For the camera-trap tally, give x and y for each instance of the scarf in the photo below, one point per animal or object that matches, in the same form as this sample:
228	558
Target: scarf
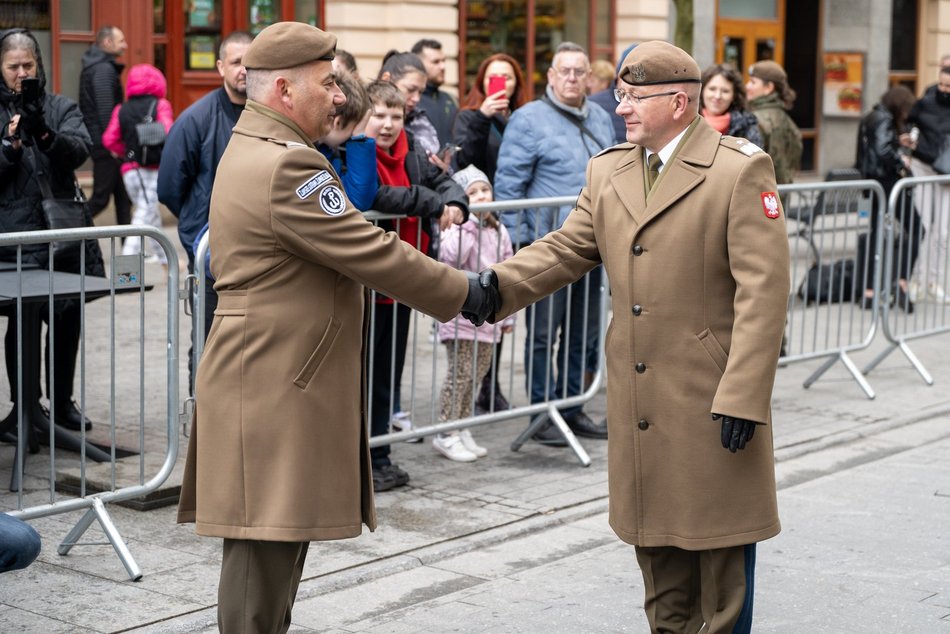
391	165
719	122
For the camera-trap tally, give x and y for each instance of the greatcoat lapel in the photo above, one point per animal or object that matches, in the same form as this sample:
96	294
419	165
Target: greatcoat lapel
627	181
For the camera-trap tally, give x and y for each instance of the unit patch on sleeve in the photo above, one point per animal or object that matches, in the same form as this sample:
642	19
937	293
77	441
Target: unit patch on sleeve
332	200
313	183
770	205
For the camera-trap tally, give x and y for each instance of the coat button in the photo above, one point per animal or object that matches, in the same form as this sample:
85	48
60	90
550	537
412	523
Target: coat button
641	368
637	309
643	424
637	249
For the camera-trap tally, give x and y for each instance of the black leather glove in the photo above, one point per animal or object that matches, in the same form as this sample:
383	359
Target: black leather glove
736	432
483	299
32	121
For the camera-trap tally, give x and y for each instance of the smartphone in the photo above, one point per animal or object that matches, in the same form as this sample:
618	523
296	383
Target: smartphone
30	90
445	154
496	83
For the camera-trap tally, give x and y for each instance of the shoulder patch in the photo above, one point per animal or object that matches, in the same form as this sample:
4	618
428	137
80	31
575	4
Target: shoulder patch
332	200
742	145
312	184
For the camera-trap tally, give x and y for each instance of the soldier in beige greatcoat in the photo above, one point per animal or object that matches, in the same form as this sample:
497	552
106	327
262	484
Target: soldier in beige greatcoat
278	455
698	269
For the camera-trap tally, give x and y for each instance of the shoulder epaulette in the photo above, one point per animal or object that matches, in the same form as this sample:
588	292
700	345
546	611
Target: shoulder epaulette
739	145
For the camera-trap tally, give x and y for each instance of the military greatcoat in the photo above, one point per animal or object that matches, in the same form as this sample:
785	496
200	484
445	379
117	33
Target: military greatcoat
279	447
699	278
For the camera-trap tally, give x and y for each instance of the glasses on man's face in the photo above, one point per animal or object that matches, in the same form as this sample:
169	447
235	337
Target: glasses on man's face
623	96
564	73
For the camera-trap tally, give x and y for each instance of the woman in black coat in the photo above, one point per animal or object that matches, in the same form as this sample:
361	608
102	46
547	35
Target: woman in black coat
480	123
882	156
42	139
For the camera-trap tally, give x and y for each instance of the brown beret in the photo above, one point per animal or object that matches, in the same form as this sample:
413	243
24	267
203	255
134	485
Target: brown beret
769	71
659	62
288	44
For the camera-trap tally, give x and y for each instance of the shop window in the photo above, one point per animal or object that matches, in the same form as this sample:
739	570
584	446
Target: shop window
202	34
748	9
70	63
158	16
530	31
903	62
75	16
306	11
262	13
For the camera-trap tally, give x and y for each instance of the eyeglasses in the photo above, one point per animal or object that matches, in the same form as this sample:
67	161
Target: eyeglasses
564	73
628	97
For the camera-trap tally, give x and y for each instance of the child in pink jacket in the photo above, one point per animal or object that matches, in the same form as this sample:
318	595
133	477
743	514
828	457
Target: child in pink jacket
476	244
145	92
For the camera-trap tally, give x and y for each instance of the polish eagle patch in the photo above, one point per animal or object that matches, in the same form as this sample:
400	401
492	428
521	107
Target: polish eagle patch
770	205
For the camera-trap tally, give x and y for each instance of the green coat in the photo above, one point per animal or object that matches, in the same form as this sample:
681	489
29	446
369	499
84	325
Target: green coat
699	276
279	447
781	137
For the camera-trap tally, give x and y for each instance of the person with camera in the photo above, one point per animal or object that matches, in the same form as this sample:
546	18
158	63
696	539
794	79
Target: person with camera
44	138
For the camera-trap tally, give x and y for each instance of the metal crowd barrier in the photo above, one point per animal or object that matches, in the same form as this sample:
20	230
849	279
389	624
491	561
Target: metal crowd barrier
131	423
918	231
425	367
831	229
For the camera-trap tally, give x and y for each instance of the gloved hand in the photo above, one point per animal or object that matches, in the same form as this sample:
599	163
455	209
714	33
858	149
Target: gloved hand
736	432
483	299
31	119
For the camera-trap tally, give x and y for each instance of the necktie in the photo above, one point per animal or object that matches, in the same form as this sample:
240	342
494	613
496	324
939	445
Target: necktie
653	169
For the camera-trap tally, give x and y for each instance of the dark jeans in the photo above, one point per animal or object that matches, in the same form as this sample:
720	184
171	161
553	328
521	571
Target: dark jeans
19	543
390	336
560	319
107	183
211	303
907	237
66	316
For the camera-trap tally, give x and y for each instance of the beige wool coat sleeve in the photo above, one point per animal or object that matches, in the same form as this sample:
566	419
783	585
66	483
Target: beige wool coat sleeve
279	447
699	278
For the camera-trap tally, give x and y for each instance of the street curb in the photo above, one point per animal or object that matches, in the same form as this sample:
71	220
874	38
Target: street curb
401	562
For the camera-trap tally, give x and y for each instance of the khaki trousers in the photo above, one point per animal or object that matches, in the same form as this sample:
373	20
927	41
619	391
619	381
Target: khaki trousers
707	591
258	585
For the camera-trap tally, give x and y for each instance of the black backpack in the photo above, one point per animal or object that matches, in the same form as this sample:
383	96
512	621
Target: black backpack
143	136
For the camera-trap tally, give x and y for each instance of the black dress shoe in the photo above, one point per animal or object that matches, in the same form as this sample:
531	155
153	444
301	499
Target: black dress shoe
68	417
549	435
903	300
581	424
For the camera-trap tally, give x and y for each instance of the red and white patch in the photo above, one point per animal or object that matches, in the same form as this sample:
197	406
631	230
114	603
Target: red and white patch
770	205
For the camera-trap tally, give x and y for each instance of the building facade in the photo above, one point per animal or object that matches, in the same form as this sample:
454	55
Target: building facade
841	55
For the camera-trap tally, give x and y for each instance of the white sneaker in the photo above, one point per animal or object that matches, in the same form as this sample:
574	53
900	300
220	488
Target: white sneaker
471	445
452	448
913	291
401	422
937	294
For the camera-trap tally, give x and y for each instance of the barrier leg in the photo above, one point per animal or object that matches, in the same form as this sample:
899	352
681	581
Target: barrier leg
880	357
98	512
555	417
852	368
914	361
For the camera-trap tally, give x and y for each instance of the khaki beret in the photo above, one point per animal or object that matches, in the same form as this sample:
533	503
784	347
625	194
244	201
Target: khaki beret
659	62
288	44
769	71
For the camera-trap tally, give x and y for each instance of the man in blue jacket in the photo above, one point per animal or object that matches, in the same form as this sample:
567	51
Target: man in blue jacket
544	152
193	148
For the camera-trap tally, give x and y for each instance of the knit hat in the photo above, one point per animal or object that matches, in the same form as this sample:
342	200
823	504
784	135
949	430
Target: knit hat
769	71
289	44
659	62
469	175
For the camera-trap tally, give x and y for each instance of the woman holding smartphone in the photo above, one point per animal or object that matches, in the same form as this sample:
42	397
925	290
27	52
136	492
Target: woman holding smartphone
497	91
43	137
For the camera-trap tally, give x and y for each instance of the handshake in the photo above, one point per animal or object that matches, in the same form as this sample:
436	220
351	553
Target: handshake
483	299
